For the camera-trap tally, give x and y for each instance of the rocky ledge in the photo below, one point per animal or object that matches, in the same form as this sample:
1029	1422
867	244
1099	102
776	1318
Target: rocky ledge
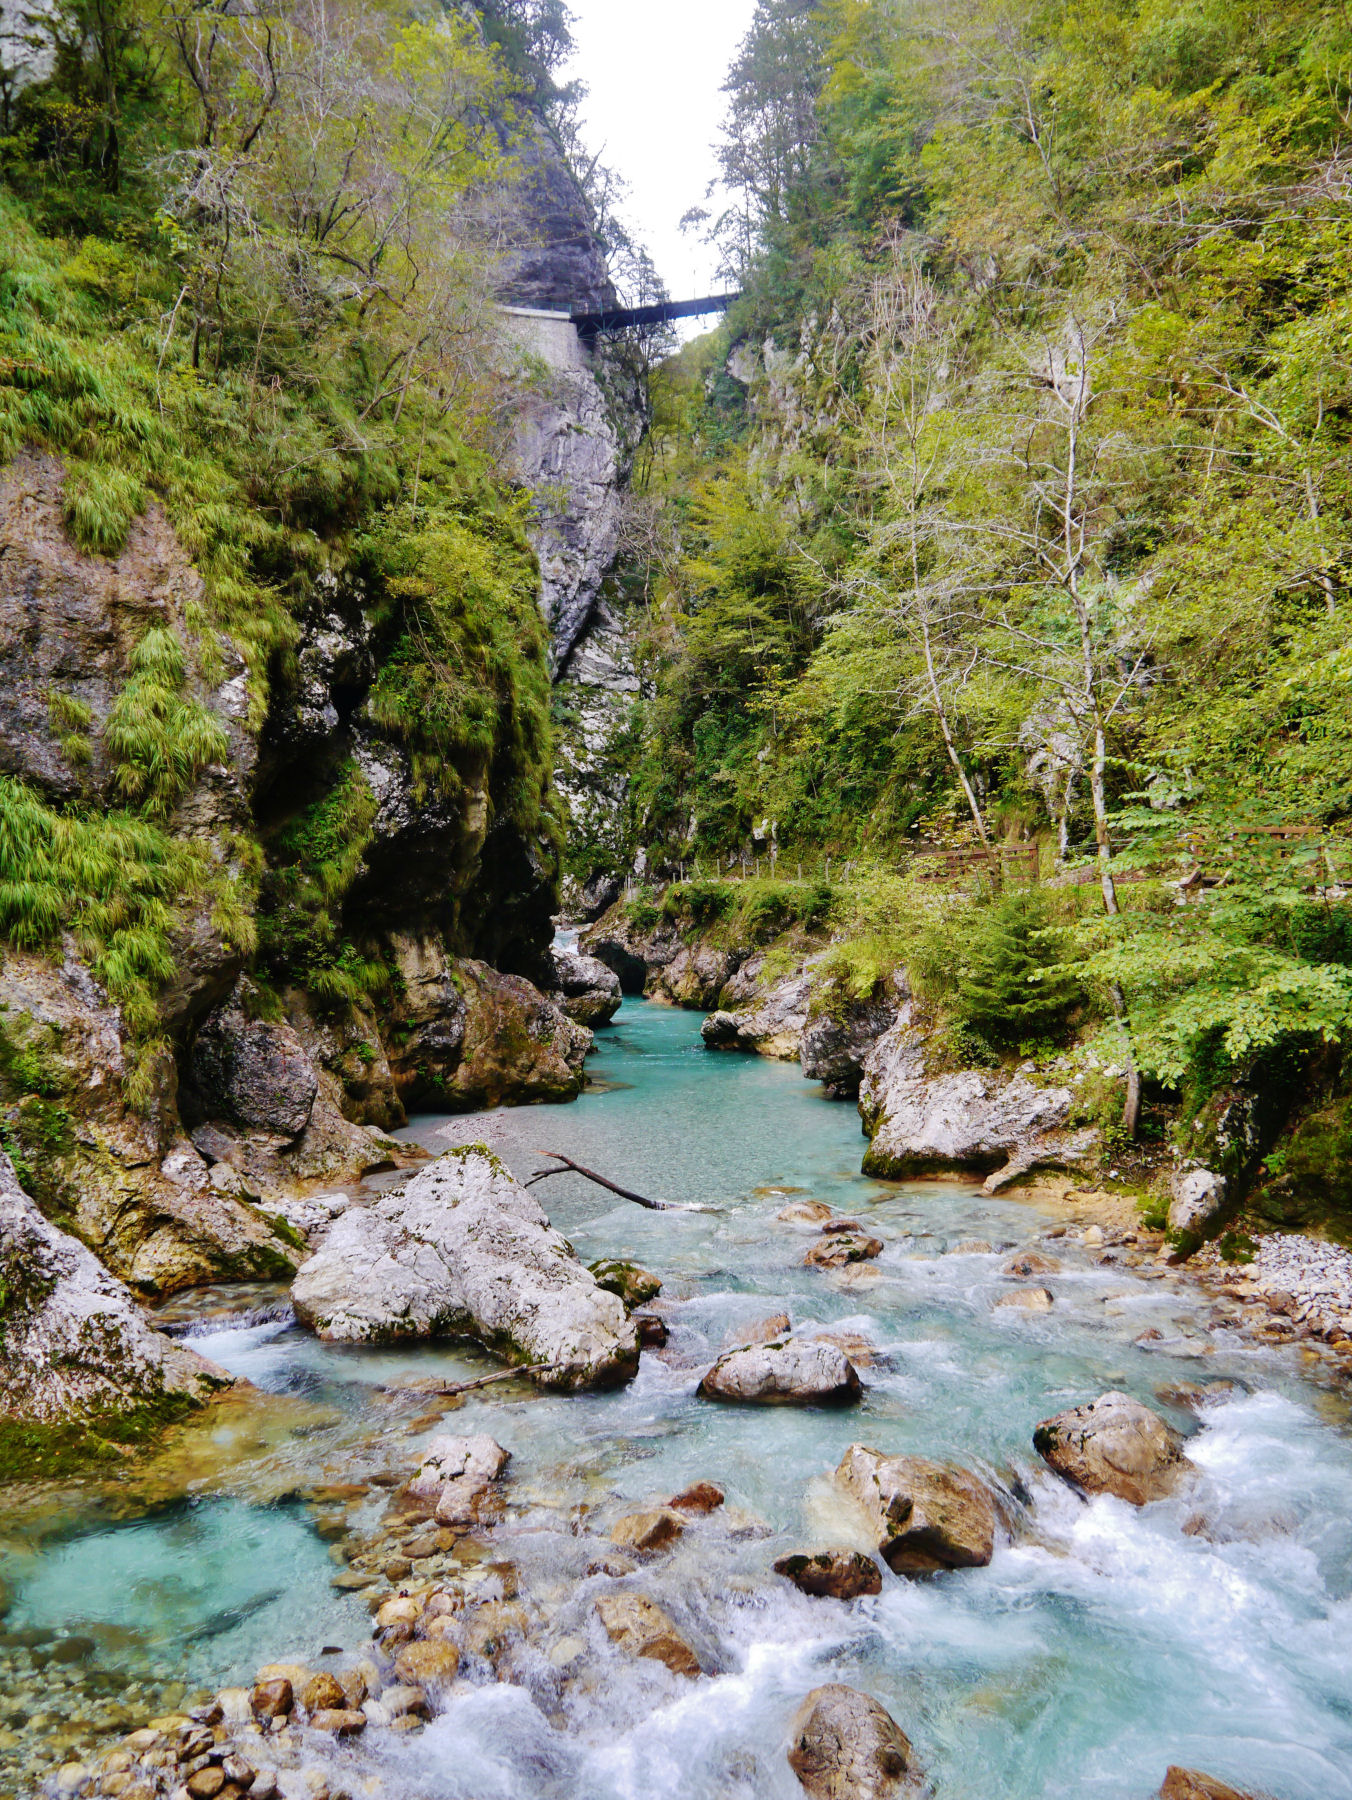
80	1367
921	1119
462	1250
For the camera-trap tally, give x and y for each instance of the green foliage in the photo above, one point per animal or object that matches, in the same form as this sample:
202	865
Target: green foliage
1011	983
114	881
316	857
158	736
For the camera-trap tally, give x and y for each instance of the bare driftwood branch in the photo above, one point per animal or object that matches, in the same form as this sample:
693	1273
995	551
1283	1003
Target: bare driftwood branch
451	1388
600	1180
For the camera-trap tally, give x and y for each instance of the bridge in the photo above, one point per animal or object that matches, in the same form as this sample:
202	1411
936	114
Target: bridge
562	336
590	322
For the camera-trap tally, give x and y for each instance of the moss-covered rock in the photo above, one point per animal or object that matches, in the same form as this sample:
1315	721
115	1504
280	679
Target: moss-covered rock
81	1370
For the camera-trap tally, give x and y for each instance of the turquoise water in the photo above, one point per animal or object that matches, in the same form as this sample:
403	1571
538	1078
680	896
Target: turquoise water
1103	1645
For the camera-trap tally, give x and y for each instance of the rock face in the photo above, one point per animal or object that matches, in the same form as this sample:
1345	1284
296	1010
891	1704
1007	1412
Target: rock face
839	1037
1114	1445
832	1574
588	991
795	1371
75	1349
254	1074
845	1746
464	1036
968	1119
927	1515
769	1021
462	1250
1198	1197
130	1184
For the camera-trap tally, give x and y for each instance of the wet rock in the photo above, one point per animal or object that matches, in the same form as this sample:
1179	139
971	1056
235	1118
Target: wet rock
794	1371
1197	1199
761	1331
272	1699
639	1625
832	1574
772	1024
1190	1784
1114	1445
428	1663
206	1784
703	1497
1031	1262
76	1348
926	1515
1029	1299
589	991
456	1475
845	1746
322	1693
804	1212
404	1699
971	1247
343	1721
983	1119
839	1249
634	1285
653	1332
1195	1396
463	1250
648	1530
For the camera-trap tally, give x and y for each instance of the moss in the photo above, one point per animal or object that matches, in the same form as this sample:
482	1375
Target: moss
31	1451
286	1231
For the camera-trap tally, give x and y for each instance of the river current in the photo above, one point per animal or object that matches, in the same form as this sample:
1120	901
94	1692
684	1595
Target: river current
1104	1644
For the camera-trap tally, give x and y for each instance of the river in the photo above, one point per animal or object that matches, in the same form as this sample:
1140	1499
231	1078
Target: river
1102	1645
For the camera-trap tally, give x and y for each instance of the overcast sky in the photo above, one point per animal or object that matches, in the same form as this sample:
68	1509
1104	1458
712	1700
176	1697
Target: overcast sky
655	71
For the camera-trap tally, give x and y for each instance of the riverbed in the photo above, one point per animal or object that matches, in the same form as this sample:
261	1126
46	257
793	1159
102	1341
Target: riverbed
1099	1646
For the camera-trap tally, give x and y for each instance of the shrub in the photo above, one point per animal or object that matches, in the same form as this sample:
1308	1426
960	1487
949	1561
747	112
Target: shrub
1012	985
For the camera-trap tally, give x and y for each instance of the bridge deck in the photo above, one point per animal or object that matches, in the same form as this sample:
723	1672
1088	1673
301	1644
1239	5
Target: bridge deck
660	312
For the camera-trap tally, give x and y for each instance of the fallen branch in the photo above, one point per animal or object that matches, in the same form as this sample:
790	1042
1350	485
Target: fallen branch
600	1180
451	1388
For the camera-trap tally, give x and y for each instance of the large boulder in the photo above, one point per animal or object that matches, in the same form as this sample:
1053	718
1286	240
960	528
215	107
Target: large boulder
252	1073
920	1122
463	1251
793	1371
77	1356
589	992
463	1036
845	1746
1197	1198
926	1515
1114	1445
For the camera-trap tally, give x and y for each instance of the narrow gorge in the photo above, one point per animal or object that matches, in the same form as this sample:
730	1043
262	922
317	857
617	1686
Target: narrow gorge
673	1116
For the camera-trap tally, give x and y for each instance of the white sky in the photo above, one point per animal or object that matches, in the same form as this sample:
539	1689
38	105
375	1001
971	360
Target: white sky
655	71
